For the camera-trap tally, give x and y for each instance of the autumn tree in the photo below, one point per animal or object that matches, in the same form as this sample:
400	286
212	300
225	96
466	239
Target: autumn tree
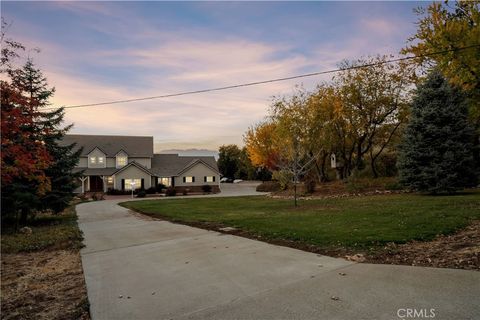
49	124
36	171
24	157
371	102
451	26
436	153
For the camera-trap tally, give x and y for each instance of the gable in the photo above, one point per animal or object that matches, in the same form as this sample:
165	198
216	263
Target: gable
199	169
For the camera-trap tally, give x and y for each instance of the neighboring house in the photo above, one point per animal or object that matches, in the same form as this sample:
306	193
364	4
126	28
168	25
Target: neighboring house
126	162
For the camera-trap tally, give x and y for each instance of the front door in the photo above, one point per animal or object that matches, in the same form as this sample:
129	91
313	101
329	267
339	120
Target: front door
96	184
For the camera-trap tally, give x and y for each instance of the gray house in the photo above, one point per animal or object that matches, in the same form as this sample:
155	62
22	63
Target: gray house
126	162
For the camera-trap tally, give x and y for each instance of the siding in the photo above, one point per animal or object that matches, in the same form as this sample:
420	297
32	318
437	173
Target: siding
132	173
146	162
199	171
97	153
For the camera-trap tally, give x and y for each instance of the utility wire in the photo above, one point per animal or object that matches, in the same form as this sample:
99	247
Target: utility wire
249	84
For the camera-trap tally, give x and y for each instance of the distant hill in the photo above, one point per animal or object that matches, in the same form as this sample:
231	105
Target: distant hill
193	152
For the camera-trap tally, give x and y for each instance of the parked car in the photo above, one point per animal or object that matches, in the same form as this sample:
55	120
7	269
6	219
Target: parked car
237	180
226	180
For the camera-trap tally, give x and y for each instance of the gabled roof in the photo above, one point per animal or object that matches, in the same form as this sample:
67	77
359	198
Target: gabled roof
134	164
111	171
134	146
170	165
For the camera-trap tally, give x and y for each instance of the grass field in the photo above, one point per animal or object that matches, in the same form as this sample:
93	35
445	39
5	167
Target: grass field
357	222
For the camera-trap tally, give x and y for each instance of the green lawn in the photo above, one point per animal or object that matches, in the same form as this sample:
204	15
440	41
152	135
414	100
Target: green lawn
357	222
48	232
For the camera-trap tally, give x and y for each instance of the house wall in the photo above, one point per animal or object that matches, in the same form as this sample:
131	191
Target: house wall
132	173
199	171
97	153
83	162
111	162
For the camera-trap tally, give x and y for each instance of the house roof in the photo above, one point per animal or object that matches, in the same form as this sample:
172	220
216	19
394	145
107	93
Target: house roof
96	171
169	165
110	171
133	146
134	164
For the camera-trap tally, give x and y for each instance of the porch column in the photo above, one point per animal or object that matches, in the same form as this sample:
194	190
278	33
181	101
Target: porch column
104	184
83	183
88	183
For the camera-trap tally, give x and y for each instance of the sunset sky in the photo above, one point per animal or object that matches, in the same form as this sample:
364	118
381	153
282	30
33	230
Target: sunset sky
101	51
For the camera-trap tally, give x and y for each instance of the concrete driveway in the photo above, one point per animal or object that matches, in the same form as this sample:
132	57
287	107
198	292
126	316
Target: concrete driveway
136	268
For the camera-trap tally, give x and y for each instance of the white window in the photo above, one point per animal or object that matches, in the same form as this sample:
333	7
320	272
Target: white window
93	160
121	161
110	180
188	179
100	160
133	183
209	179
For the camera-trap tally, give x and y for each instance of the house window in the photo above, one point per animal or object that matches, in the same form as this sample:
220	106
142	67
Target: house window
121	161
137	184
165	181
100	160
188	179
110	180
209	179
93	160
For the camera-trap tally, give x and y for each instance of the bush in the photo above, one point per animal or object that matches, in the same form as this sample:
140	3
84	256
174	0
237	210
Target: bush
170	192
161	187
207	188
151	190
141	194
269	186
115	192
283	177
98	196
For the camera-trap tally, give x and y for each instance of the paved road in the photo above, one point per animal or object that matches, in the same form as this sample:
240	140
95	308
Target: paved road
137	268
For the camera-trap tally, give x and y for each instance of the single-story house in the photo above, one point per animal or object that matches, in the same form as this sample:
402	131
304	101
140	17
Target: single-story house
126	162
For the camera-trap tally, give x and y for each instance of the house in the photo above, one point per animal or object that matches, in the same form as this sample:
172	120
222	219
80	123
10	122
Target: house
126	162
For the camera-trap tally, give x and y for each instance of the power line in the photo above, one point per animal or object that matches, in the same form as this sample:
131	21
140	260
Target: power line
249	84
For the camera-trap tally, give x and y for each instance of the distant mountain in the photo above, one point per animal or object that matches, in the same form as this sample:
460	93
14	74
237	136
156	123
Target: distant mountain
193	152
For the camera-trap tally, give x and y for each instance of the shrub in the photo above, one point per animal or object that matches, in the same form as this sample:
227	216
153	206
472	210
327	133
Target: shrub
161	187
283	177
207	188
141	194
82	197
170	192
269	186
151	190
115	192
98	196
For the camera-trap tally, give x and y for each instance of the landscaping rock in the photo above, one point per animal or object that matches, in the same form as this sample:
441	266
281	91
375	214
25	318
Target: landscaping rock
26	230
358	257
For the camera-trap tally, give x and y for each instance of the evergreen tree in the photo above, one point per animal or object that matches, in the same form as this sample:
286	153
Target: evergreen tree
50	131
436	154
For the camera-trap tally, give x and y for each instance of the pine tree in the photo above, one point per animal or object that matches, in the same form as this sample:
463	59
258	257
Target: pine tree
50	131
436	154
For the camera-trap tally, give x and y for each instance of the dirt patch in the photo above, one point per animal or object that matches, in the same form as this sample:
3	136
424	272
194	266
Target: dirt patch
460	250
43	285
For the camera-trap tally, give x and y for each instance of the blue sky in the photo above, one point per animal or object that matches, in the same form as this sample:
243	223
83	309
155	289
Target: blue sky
101	51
